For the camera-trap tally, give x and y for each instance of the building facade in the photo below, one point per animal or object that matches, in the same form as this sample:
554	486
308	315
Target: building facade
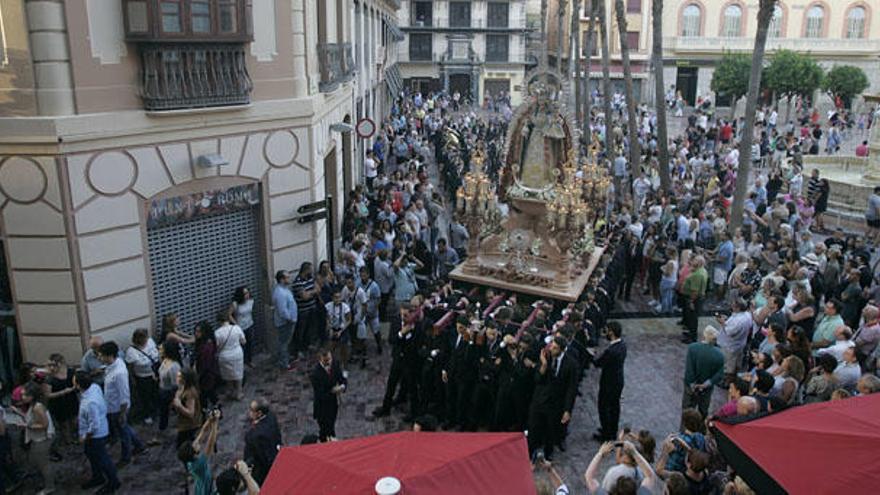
697	32
154	154
474	48
638	36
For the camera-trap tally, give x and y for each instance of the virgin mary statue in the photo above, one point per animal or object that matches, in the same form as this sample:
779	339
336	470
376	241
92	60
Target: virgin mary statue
542	140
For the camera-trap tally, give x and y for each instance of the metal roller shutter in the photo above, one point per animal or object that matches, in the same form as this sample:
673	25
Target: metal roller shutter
197	265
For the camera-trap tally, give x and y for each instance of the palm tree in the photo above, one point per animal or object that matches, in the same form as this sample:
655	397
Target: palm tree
765	14
574	63
660	96
544	31
560	22
606	78
635	153
588	66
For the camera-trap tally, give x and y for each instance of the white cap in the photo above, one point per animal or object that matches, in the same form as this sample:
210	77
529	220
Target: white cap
388	485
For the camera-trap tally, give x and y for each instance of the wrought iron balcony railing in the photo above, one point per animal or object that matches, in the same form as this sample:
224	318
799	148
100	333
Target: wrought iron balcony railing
194	75
337	65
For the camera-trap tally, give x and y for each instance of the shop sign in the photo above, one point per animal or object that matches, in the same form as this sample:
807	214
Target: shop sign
170	211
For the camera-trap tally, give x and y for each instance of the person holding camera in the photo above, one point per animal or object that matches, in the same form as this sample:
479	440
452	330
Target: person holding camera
648	479
196	455
328	384
236	479
405	284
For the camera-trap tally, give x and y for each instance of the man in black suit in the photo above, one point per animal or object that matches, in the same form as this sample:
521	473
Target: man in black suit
262	440
405	336
460	374
328	384
553	398
610	382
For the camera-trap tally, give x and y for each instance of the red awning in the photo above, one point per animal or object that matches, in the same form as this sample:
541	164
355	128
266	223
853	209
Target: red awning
425	463
829	447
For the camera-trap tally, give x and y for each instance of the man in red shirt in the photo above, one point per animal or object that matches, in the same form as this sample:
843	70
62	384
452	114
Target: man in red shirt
726	133
862	149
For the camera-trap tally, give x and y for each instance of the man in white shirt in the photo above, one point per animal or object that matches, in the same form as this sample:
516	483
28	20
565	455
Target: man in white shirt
848	371
641	188
338	321
842	341
733	335
732	157
118	397
371	170
356	298
636	227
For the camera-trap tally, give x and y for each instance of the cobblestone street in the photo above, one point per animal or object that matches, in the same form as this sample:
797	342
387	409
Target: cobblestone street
654	369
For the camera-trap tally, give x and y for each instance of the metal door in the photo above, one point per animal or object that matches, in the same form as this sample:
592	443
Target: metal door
197	265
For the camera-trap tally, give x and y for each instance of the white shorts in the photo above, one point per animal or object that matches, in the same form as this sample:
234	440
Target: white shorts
719	276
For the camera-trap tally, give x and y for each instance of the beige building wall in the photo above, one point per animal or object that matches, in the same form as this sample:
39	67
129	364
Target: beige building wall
831	47
17	95
73	188
637	21
794	17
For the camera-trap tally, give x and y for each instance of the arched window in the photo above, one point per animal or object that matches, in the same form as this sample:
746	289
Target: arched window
855	23
815	22
732	21
691	20
775	30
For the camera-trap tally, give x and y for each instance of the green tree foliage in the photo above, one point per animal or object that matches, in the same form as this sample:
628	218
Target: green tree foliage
845	82
791	74
731	76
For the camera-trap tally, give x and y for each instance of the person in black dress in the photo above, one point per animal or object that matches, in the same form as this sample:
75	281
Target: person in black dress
63	402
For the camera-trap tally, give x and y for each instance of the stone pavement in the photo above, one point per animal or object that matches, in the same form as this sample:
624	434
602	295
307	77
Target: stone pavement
651	400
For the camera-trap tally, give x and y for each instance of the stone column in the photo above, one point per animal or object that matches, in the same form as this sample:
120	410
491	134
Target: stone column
300	81
47	29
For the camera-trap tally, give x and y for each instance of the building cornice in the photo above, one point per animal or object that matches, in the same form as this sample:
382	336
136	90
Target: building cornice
67	134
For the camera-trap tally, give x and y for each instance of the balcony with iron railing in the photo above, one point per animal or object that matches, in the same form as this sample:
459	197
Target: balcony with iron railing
194	75
336	62
819	46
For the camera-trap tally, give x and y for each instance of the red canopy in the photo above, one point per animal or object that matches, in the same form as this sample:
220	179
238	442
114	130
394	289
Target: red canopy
829	447
425	463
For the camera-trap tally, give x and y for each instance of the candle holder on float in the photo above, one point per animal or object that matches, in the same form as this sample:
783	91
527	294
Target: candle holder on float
476	205
577	196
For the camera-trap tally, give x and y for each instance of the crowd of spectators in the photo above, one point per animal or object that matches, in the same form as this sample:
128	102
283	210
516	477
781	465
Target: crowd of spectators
795	307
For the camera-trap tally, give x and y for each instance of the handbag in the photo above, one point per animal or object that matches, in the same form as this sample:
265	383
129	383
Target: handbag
154	365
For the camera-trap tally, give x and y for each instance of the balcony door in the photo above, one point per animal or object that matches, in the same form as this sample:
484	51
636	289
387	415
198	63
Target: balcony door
460	83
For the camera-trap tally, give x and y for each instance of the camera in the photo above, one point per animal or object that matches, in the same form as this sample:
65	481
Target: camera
539	456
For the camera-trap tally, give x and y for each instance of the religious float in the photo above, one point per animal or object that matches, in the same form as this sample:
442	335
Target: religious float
545	246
